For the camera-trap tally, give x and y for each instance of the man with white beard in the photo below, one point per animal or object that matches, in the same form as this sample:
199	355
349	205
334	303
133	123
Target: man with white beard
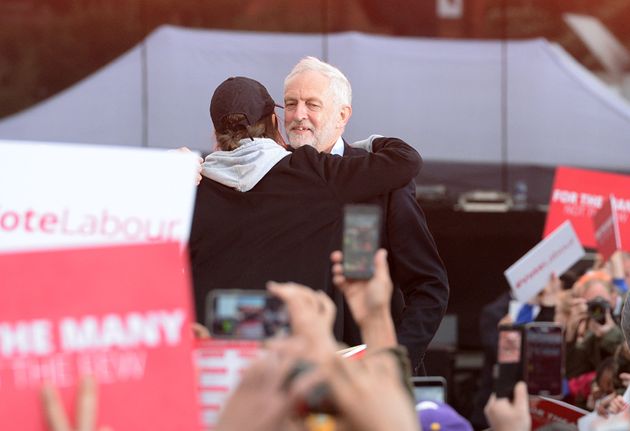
318	105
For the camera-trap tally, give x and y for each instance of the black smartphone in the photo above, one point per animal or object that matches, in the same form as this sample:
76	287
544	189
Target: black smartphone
508	369
543	358
361	236
245	314
429	388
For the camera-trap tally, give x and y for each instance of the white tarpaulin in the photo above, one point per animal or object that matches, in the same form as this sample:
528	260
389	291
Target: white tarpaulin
444	97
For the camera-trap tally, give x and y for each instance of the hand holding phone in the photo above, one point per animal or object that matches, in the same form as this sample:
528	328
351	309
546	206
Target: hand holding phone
361	237
533	353
429	388
508	369
245	314
543	367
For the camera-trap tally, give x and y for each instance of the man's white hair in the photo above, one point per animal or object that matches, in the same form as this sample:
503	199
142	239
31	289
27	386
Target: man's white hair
339	84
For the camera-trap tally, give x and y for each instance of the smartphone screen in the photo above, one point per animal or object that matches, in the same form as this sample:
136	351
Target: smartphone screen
245	314
431	388
508	370
544	358
361	232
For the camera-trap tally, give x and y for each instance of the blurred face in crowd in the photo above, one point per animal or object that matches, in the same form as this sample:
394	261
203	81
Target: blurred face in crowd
605	381
598	288
312	115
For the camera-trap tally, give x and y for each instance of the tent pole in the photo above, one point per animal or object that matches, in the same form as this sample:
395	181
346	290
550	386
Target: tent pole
504	100
144	73
325	30
145	94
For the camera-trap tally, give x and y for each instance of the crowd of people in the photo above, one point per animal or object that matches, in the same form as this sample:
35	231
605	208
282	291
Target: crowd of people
269	213
589	307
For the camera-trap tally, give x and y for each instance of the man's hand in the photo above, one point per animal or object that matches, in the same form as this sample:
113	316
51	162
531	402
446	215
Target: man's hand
610	405
311	313
261	402
578	312
504	415
369	300
367	393
548	297
625	379
187	150
365	297
599	330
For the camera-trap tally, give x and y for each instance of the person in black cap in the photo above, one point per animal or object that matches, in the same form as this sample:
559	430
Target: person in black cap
263	213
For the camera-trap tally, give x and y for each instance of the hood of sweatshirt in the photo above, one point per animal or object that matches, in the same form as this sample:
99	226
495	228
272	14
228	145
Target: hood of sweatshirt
243	167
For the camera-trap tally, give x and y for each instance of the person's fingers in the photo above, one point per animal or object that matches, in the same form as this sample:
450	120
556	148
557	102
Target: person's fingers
492	398
602	409
326	305
291	292
270	369
488	409
521	397
609	319
200	332
53	409
617	405
336	257
337	269
380	262
86	404
625	378
296	297
339	281
292	347
304	382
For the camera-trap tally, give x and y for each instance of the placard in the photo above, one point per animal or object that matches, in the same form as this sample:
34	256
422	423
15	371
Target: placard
220	365
63	195
578	194
545	411
118	313
553	255
606	229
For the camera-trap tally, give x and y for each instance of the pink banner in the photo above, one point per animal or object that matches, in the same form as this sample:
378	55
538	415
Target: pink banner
118	313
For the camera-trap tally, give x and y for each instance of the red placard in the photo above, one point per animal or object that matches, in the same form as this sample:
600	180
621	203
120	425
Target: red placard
119	313
578	194
544	411
220	364
606	228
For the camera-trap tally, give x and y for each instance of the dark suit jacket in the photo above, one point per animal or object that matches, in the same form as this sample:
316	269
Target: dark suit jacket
420	282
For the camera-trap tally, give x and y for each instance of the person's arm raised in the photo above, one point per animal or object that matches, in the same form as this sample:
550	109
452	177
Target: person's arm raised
369	301
391	165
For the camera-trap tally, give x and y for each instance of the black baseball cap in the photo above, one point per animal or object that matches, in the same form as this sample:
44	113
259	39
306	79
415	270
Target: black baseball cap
240	95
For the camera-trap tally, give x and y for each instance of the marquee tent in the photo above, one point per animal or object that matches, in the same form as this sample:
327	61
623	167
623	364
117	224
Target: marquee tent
476	110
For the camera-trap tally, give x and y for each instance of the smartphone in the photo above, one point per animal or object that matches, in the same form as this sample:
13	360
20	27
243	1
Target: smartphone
245	314
430	388
543	358
508	369
361	239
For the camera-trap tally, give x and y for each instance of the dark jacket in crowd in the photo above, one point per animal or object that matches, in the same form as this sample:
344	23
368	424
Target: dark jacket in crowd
274	216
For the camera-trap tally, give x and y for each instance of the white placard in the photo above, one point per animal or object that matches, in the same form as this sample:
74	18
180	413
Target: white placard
63	195
554	254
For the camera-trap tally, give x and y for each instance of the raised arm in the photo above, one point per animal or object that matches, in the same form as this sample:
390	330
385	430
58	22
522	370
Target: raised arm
391	164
